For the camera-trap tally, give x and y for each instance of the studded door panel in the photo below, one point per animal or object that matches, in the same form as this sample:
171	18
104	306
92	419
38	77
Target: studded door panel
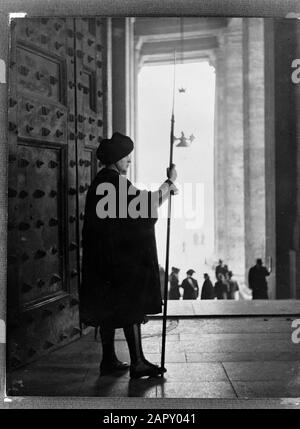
90	121
54	83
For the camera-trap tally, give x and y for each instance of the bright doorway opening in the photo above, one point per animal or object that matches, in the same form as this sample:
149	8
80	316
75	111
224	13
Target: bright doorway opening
192	229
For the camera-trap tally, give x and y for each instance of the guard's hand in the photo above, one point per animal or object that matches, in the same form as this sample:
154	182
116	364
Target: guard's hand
174	190
172	173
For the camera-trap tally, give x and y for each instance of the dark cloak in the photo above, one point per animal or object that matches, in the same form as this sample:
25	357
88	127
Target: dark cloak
120	272
174	287
257	281
190	291
207	291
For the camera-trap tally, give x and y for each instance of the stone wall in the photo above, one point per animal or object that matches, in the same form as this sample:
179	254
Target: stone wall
240	146
287	102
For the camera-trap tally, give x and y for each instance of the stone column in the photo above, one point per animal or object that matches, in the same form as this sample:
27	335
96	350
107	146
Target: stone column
108	77
229	150
240	149
254	141
269	73
219	152
3	189
234	163
123	114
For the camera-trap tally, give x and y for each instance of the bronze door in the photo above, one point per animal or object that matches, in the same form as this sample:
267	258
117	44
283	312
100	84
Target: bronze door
55	123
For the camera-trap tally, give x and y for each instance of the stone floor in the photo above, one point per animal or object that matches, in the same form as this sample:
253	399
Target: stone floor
186	308
228	358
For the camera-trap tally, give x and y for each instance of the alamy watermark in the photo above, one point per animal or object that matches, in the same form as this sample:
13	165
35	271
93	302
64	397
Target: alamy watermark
295	76
131	202
296	332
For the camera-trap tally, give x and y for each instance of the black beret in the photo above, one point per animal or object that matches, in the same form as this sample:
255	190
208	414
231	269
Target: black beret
114	149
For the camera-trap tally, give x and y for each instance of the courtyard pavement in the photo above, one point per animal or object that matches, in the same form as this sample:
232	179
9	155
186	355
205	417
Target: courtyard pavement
231	358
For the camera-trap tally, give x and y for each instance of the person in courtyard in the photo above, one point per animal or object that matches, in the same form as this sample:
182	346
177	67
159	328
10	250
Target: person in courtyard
174	292
207	291
120	274
190	286
162	280
257	280
220	269
233	287
220	287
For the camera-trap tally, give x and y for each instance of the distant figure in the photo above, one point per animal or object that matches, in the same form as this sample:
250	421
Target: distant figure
233	286
257	280
220	287
190	286
174	284
221	269
207	291
162	280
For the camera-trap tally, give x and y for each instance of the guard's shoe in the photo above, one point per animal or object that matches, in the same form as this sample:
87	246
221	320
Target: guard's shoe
146	369
112	367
